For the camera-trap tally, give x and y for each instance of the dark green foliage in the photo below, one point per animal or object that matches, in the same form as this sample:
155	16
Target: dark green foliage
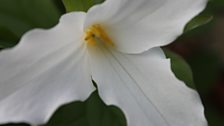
180	68
92	112
19	16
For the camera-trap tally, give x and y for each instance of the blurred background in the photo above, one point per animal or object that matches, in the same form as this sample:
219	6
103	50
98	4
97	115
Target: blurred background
201	48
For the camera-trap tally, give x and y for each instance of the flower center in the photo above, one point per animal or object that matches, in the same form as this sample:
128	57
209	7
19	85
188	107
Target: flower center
95	33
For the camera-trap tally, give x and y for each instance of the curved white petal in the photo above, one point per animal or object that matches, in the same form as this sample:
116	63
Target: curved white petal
138	25
144	87
47	69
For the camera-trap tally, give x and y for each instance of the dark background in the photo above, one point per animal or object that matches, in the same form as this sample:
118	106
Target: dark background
202	48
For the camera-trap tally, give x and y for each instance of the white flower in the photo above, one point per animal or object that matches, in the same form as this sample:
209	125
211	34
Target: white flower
117	45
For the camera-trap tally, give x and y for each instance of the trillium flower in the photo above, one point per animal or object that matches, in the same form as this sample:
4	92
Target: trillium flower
116	44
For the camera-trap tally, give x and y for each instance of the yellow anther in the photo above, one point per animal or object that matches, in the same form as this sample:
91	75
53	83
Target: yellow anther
95	33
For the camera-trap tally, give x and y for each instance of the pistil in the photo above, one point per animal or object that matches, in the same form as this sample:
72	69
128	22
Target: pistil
96	33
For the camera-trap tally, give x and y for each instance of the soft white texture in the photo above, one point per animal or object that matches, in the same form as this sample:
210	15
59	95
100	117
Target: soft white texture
47	69
138	25
145	88
53	67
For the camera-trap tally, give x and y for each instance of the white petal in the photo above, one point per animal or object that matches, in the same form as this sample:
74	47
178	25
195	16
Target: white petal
144	87
47	69
138	25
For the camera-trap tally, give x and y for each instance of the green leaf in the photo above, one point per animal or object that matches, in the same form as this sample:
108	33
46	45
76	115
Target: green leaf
113	117
78	5
95	105
73	113
198	21
180	68
18	16
92	112
216	6
98	1
99	114
13	124
7	38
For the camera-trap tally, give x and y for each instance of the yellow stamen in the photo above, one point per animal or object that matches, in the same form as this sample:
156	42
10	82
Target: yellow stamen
96	32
